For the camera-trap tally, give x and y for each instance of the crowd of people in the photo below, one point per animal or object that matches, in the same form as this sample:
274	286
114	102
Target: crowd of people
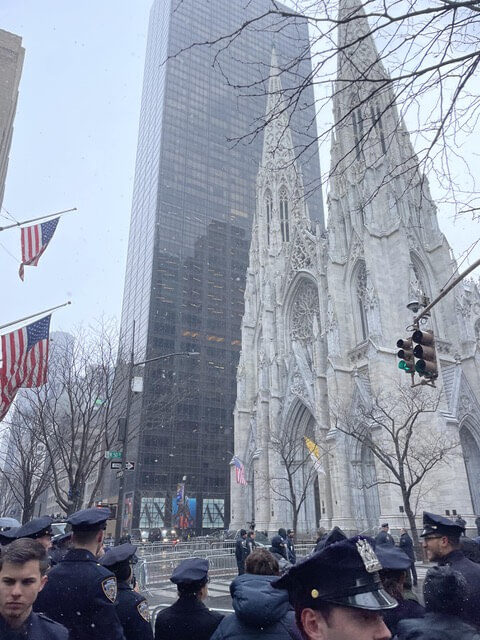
355	588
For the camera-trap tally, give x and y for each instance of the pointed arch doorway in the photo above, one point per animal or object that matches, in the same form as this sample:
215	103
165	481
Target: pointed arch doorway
469	441
304	480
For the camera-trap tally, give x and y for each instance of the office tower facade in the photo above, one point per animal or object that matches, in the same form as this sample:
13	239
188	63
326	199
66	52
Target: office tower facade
11	63
193	205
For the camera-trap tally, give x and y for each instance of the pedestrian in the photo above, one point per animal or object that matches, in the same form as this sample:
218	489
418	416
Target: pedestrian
23	566
278	549
384	536
441	541
446	594
132	607
406	545
250	542
259	610
337	593
80	593
291	553
241	551
60	545
188	617
395	565
37	529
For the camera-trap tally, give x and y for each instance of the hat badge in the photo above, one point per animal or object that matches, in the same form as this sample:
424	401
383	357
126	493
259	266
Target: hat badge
367	554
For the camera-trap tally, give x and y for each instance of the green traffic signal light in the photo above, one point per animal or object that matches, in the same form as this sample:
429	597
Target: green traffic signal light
407	362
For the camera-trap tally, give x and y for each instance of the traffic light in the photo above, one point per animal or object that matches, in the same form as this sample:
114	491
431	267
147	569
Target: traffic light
407	362
424	350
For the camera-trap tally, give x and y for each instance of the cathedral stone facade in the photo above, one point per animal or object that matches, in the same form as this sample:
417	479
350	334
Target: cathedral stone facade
323	312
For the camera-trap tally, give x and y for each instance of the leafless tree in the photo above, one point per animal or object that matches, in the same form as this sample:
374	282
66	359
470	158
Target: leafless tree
429	54
297	472
25	465
394	427
76	413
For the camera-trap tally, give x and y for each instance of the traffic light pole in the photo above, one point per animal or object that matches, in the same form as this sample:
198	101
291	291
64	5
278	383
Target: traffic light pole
124	439
444	292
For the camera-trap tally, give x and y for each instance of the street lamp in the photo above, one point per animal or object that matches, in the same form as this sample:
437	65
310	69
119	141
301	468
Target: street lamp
124	432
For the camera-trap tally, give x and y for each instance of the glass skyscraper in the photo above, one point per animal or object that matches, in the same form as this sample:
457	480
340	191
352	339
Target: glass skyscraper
193	205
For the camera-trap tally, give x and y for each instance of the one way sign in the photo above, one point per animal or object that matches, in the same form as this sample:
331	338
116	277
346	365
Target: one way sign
129	465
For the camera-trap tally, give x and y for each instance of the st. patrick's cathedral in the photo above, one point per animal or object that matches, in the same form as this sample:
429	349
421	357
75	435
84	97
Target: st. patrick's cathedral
323	312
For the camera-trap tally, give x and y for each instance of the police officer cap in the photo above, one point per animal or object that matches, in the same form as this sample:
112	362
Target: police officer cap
119	555
61	537
392	558
92	519
343	573
8	536
190	571
36	528
434	524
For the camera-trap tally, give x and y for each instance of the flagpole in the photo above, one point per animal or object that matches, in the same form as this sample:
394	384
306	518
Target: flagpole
9	324
50	215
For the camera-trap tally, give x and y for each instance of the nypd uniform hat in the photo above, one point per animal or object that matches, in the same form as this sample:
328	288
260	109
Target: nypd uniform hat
61	537
92	519
343	573
436	525
36	528
119	555
392	558
190	571
7	536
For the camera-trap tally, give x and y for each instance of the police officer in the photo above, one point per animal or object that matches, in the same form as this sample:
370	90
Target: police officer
337	593
188	617
81	594
395	565
23	564
441	541
60	545
132	607
37	529
384	536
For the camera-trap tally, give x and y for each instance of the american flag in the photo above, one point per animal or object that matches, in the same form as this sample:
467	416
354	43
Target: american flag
24	360
239	471
35	240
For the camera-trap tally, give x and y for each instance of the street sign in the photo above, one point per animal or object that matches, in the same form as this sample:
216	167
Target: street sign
129	465
119	474
113	455
116	464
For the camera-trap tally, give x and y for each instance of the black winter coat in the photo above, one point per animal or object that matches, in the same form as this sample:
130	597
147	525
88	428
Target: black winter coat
405	609
260	611
187	619
436	626
471	572
406	545
36	627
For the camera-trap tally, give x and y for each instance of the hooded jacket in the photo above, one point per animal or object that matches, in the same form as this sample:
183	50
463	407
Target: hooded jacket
260	611
434	626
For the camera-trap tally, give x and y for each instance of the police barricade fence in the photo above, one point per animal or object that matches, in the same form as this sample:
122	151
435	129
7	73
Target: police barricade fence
155	570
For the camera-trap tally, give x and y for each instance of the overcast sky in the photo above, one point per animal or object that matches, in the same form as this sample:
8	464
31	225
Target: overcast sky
74	145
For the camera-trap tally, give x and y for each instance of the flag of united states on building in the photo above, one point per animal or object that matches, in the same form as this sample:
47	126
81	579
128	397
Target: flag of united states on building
35	240
24	360
239	471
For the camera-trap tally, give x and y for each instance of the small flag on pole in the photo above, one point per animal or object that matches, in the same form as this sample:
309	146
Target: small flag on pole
24	360
34	240
239	471
314	454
